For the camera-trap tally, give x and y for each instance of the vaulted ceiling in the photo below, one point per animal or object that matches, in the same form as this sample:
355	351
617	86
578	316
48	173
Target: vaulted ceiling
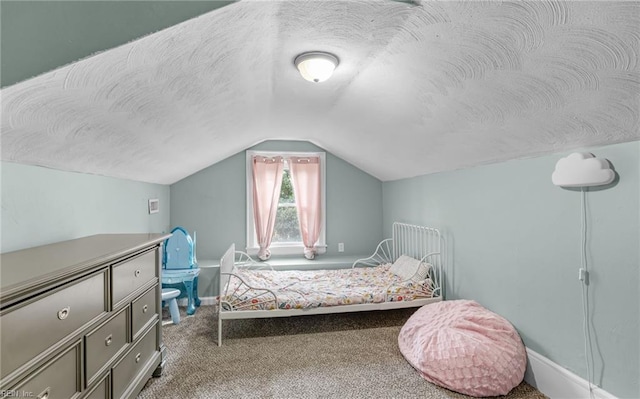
422	87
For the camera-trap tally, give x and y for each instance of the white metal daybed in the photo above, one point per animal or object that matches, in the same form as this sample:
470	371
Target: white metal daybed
405	271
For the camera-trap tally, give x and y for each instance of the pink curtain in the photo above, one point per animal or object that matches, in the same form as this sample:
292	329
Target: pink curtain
267	180
305	178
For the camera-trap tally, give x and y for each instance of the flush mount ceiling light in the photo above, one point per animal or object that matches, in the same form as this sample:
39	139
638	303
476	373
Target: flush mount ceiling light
316	66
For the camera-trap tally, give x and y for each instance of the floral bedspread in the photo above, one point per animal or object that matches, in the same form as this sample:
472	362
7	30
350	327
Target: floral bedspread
297	289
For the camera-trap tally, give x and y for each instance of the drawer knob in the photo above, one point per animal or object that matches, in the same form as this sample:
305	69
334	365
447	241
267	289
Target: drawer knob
145	308
63	313
108	340
136	273
138	358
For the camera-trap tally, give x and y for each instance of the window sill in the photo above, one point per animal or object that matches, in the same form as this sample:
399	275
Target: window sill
298	263
285	250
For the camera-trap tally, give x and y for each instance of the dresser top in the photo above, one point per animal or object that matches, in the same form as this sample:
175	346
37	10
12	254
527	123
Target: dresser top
25	270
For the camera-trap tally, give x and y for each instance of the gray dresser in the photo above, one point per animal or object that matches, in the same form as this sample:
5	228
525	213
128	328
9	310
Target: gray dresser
81	318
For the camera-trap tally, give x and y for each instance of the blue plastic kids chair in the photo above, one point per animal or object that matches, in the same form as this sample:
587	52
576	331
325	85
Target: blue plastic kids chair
180	267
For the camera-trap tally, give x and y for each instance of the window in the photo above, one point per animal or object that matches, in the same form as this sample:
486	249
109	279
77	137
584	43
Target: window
287	227
287	239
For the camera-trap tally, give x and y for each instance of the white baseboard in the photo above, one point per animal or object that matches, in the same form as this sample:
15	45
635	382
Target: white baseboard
556	382
206	301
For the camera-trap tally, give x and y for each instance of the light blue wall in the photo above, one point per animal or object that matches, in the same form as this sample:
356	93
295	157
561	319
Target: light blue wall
41	206
513	244
213	203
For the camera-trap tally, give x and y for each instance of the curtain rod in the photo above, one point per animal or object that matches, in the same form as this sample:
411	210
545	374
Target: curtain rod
262	158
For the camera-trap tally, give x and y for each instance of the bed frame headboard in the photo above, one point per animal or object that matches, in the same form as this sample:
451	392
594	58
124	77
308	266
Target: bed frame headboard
414	241
419	242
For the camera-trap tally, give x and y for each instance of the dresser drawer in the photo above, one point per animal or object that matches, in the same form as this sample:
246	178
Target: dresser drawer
100	391
134	362
58	379
129	276
105	342
29	330
143	310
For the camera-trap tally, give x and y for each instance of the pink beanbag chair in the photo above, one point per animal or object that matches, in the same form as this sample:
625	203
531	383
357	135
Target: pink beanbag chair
464	347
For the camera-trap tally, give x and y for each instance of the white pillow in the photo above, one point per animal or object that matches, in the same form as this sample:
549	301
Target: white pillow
406	267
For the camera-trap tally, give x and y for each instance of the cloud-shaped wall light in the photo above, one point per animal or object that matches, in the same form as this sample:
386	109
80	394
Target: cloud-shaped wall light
582	169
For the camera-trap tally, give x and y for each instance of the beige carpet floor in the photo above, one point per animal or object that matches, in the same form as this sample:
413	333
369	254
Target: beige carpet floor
325	356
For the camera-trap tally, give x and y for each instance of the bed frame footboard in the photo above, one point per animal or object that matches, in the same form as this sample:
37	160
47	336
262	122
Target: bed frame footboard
231	261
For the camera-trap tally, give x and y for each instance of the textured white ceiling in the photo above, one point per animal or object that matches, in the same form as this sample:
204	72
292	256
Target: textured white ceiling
420	88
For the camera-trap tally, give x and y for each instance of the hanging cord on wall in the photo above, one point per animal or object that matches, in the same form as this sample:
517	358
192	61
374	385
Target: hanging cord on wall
584	282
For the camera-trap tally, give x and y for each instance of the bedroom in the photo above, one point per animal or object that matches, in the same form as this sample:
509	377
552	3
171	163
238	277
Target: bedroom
514	238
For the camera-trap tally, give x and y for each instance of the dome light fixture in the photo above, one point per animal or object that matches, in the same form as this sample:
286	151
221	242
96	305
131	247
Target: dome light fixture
316	66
